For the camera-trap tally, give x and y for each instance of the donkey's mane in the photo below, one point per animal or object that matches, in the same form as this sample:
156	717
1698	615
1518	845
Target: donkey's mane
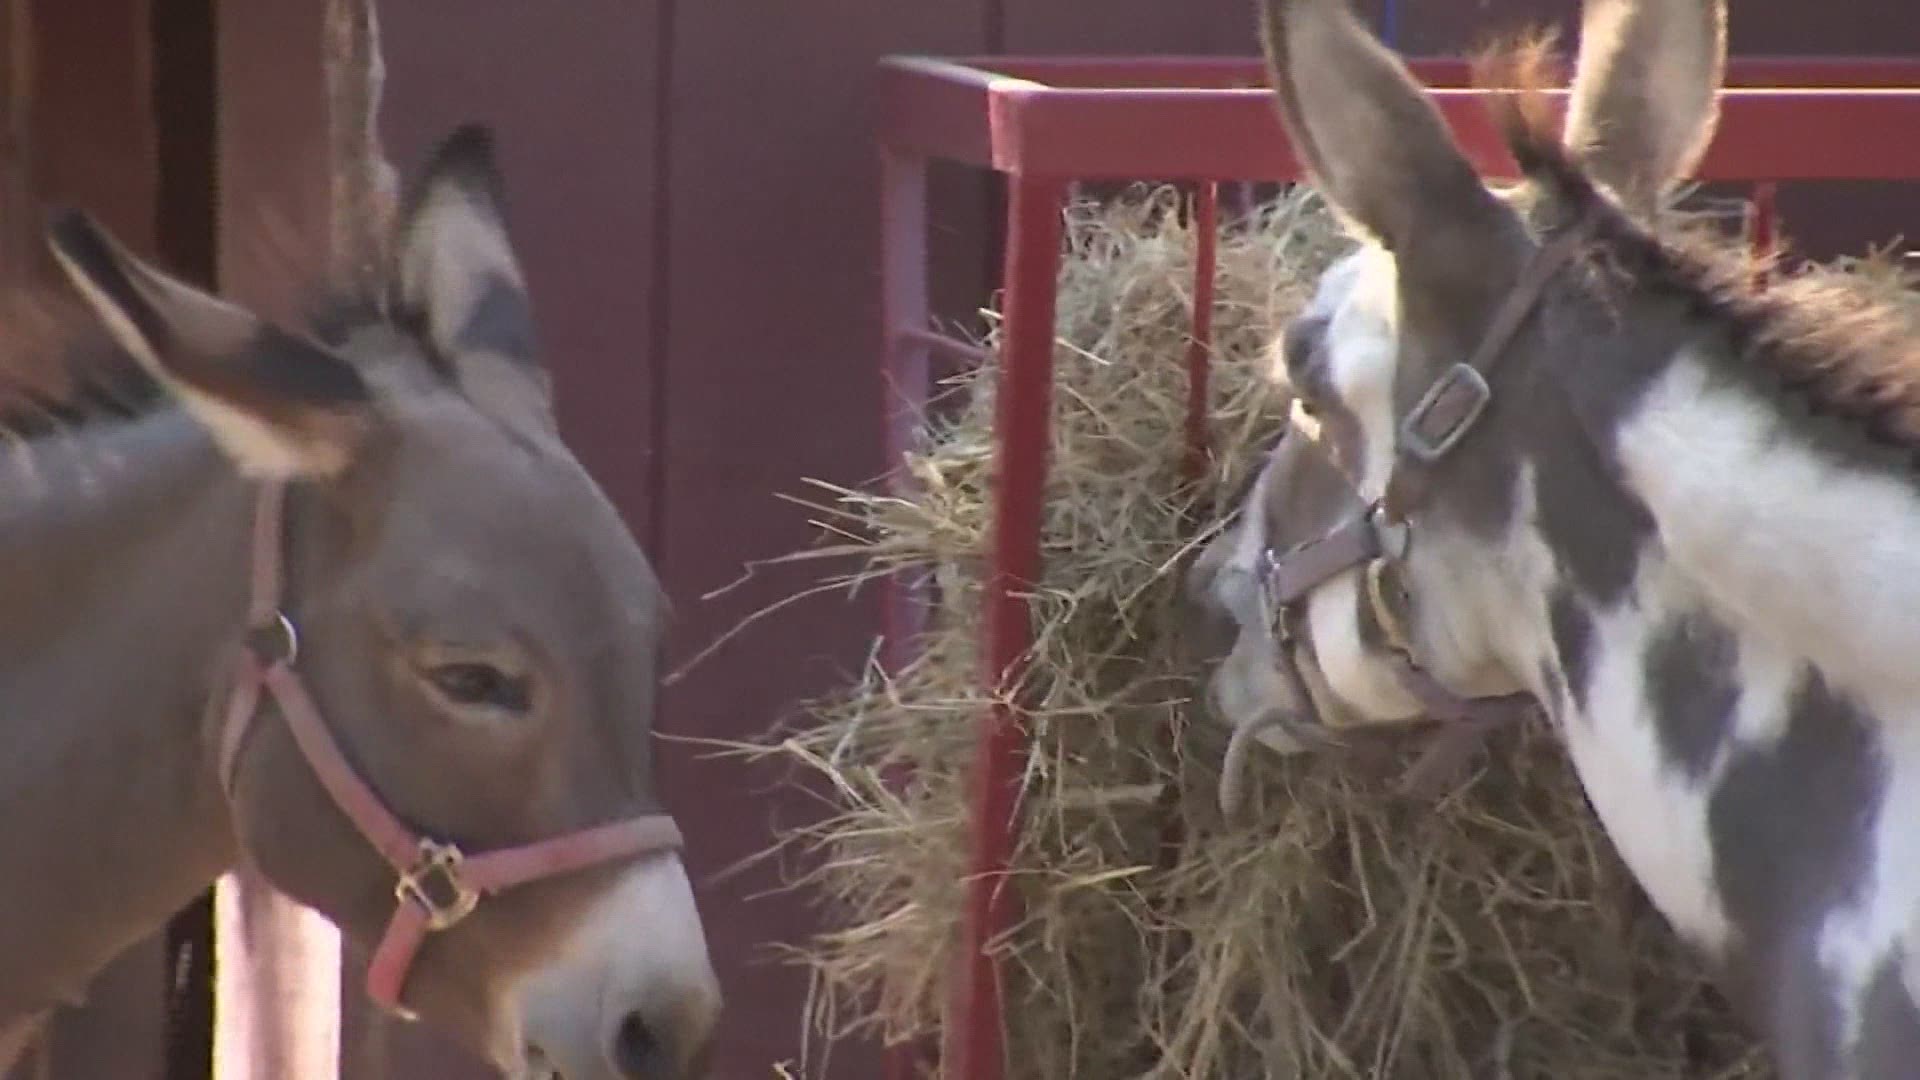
61	372
1844	343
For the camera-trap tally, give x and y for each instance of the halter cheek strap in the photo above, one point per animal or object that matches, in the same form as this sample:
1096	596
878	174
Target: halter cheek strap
437	884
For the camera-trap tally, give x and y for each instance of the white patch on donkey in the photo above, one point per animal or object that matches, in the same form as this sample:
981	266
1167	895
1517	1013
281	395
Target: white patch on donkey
1786	539
1655	813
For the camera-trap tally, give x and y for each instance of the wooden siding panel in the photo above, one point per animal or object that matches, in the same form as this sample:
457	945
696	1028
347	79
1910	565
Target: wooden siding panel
94	141
16	178
1129	27
76	124
572	93
274	195
772	376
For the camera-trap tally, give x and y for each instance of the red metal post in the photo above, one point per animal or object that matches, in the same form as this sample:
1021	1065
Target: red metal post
1206	245
1021	433
1763	221
1206	238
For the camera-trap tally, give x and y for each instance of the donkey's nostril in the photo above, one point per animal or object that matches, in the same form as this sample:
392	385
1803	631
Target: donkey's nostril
637	1054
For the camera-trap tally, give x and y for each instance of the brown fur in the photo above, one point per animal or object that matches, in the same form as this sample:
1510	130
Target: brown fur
1826	336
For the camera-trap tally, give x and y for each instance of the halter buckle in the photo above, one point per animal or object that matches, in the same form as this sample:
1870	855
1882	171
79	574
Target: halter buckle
1445	413
433	885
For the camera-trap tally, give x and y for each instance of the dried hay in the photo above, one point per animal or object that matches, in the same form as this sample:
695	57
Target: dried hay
1333	932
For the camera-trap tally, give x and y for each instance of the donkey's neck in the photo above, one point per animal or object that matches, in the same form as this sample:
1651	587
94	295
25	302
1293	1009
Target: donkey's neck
123	567
1794	526
1721	595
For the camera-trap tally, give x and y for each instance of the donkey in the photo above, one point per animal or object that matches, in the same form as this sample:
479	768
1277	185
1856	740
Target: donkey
340	603
1544	449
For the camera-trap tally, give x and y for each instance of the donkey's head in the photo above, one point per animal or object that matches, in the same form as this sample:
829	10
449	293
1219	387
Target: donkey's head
1419	369
475	623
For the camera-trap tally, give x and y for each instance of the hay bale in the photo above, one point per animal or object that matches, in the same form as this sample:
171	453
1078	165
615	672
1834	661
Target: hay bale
1334	932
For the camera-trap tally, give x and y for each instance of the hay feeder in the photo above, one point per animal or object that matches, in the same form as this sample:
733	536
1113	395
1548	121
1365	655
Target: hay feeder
1040	122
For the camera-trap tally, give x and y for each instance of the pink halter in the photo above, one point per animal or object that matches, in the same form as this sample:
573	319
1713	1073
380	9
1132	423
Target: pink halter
439	885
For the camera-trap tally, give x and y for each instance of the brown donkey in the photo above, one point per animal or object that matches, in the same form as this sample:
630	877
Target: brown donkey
341	604
1548	451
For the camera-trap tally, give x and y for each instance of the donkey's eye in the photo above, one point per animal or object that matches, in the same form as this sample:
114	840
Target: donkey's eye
482	685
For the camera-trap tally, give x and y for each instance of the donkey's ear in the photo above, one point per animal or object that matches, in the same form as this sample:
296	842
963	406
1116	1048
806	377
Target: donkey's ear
456	274
1643	104
278	405
1371	139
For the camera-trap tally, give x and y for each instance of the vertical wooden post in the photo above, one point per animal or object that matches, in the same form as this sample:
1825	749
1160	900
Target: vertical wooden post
363	185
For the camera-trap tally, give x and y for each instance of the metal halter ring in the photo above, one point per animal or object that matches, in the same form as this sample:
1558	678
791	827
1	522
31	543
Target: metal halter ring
276	642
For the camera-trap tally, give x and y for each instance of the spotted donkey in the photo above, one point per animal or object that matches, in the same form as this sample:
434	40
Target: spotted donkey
1678	510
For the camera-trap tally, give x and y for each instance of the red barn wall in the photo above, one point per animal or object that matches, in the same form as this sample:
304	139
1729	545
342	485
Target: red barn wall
692	189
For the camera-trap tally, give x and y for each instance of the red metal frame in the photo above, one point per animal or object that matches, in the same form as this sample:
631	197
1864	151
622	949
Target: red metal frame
1043	122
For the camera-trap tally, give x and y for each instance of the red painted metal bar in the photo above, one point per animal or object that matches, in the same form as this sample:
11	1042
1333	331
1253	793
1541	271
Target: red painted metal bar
1228	72
1016	125
938	108
1021	434
1236	134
